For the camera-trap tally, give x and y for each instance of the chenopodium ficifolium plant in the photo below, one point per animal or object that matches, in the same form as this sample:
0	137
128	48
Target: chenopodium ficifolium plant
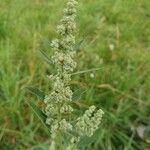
58	102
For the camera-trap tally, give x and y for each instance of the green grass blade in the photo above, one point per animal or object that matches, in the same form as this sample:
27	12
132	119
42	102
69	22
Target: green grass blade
86	71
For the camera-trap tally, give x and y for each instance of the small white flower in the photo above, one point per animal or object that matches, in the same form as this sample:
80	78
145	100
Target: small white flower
55	44
64	125
66	109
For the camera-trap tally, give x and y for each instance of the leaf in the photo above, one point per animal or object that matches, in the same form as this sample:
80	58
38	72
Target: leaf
78	94
39	113
78	45
46	57
36	92
46	41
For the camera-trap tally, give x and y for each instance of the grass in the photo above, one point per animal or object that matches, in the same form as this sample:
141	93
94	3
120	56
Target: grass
116	39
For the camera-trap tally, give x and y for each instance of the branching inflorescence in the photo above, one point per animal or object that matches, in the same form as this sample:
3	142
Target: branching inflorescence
58	102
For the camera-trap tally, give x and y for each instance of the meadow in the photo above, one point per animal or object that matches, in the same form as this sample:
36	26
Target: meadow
116	37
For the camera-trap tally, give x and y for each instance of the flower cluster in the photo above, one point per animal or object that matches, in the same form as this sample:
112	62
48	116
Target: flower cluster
73	144
58	102
89	122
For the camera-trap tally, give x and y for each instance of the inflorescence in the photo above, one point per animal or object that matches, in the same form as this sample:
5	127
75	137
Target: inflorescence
58	102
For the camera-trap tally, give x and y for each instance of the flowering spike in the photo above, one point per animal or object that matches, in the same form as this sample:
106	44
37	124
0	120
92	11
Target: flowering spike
57	103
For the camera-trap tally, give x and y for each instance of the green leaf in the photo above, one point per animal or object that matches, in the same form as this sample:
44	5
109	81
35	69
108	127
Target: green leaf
46	57
39	113
78	94
36	92
78	45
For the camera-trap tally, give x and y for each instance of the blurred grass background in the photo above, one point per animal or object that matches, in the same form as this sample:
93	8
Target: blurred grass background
117	38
